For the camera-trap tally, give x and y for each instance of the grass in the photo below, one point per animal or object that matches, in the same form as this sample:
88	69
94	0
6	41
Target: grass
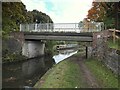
104	76
65	74
113	45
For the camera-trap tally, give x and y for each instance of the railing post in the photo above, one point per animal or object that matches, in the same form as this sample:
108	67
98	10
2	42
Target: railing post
28	26
20	27
47	27
36	26
114	36
75	27
86	52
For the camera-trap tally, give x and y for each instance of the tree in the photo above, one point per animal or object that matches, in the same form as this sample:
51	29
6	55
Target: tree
106	12
40	17
15	13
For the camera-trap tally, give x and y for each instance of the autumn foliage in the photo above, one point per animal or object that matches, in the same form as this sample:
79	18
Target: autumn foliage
107	12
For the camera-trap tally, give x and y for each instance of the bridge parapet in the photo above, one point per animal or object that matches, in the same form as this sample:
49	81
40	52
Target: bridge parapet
62	27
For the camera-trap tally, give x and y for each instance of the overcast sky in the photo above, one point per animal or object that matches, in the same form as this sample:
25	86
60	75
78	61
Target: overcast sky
61	11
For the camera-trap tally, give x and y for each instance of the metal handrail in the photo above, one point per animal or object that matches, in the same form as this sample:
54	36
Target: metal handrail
62	27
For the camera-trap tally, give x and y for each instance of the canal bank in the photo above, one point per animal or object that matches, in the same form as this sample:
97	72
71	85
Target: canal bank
77	72
65	74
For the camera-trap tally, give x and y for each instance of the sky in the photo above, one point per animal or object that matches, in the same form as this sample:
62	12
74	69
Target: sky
61	11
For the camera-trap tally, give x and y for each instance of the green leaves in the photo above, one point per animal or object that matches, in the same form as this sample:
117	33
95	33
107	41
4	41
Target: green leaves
15	13
12	15
109	22
40	17
104	12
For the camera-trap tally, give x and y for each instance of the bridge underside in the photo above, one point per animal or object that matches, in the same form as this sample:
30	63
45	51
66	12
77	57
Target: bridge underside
84	37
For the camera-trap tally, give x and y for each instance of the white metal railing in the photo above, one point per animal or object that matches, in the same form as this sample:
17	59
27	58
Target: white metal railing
62	27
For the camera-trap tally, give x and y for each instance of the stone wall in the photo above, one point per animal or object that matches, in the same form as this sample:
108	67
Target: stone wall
31	48
19	36
11	45
11	50
111	60
101	51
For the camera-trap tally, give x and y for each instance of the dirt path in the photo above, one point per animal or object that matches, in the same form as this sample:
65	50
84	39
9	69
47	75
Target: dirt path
86	74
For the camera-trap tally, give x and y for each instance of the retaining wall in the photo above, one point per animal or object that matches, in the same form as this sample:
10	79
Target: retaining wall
102	52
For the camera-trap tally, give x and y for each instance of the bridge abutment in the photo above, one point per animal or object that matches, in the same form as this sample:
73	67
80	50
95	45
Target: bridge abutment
33	49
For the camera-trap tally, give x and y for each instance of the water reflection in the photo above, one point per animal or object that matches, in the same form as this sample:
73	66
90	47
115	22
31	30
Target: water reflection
27	73
63	54
32	66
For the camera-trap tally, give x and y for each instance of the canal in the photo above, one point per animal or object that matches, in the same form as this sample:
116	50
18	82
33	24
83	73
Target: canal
27	73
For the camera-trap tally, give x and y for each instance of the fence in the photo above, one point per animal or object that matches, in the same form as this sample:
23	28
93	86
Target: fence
62	27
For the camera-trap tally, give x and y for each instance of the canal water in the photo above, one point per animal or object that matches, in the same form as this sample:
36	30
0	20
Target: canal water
27	73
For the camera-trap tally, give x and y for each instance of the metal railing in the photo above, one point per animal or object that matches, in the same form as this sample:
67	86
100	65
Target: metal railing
62	27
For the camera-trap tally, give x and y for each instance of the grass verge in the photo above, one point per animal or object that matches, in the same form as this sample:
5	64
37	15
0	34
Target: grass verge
113	45
104	76
65	74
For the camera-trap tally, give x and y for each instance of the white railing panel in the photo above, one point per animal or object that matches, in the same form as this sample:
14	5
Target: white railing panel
62	27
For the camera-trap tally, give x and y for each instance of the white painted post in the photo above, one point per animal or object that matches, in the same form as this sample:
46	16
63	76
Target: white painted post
36	27
20	27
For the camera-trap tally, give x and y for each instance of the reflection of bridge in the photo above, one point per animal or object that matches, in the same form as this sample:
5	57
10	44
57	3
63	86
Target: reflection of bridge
34	33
